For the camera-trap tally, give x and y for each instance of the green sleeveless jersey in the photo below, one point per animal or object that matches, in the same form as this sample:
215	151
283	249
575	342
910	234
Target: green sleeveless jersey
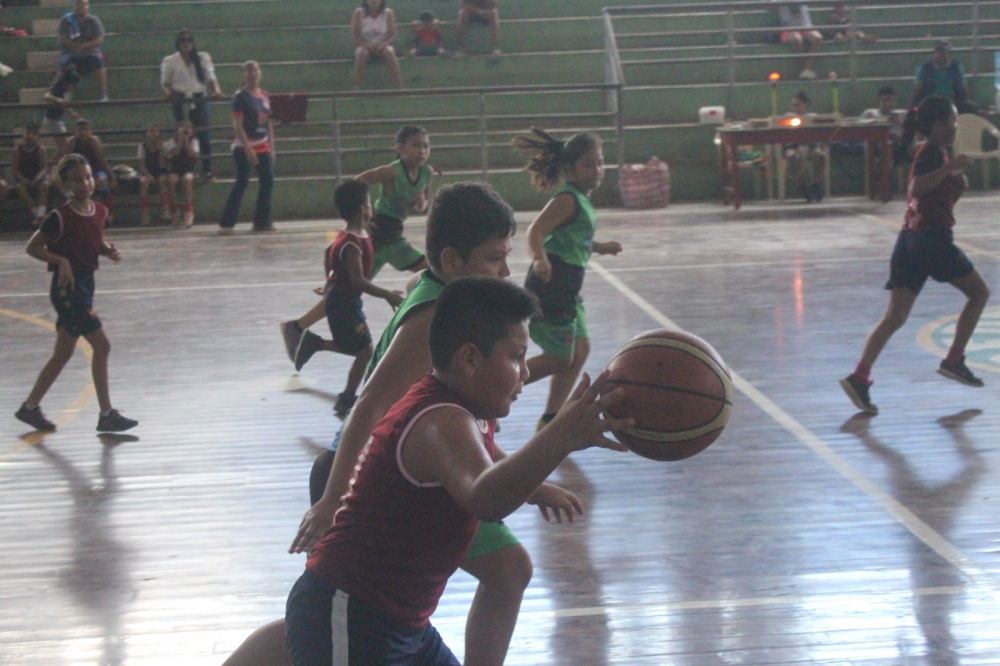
572	241
403	192
427	290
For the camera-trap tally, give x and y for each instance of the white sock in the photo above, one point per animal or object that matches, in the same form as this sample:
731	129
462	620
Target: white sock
107	412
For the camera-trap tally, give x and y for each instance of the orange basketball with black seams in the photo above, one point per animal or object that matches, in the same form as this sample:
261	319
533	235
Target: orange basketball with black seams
677	388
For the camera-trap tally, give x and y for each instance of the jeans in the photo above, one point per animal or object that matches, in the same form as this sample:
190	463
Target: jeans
265	173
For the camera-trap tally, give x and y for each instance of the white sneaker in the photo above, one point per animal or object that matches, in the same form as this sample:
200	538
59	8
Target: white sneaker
167	215
5	70
807	74
188	219
144	218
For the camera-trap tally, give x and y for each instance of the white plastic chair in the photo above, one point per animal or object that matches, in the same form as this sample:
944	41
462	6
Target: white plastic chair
969	141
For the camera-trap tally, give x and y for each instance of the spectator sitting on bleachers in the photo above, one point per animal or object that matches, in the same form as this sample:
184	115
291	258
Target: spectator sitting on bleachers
373	26
841	29
941	75
479	10
797	31
30	170
806	162
58	96
81	35
153	171
427	39
182	155
185	77
85	143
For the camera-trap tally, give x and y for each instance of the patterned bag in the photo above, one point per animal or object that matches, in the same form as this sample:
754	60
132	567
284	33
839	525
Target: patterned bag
645	185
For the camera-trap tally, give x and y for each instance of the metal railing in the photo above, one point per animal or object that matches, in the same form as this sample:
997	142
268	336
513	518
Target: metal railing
736	35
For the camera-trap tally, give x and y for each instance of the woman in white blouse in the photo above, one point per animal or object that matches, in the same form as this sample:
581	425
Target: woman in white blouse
186	77
373	26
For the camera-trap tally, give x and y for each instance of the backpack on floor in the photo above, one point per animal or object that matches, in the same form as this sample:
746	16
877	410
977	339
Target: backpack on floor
645	185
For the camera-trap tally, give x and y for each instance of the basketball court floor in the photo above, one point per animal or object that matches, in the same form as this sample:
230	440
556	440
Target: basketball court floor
804	535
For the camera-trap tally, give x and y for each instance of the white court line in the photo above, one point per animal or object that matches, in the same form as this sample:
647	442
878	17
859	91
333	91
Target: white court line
745	264
904	516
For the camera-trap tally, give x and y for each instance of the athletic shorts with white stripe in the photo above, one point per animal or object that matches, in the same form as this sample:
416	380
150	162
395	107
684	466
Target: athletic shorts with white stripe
327	627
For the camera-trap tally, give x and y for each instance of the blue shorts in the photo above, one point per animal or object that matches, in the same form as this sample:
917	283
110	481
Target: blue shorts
922	254
327	627
75	309
347	322
85	62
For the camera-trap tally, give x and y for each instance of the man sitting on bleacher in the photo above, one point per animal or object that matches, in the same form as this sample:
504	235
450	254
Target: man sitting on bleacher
81	35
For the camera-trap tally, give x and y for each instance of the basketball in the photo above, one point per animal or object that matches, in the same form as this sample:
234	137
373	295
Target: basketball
678	390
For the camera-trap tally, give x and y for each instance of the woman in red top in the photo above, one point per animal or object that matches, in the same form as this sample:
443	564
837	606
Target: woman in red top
926	248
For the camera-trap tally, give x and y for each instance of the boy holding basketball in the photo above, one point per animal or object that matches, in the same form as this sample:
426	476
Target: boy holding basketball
427	476
469	230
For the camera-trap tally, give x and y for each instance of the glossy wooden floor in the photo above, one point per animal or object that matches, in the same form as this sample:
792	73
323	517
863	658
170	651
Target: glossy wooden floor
805	535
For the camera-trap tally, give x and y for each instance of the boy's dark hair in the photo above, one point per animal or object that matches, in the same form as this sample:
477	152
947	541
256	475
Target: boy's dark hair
70	162
464	216
83	122
410	130
426	16
933	109
886	90
33	128
479	310
350	197
802	97
368	11
549	156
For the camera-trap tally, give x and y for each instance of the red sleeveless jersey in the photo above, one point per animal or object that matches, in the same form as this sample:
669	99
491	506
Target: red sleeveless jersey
933	210
395	542
336	273
77	237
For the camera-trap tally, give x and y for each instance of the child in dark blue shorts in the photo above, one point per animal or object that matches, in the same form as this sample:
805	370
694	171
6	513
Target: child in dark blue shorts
70	241
348	263
926	248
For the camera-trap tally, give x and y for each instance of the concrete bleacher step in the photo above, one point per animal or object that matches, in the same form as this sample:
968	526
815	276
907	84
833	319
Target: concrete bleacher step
45	27
52	3
31	95
42	61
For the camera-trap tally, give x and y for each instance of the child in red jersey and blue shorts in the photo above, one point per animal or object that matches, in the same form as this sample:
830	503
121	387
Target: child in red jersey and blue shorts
926	248
70	241
428	474
348	265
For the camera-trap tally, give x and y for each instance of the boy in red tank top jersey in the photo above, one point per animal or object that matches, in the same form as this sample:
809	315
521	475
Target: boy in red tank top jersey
71	241
926	248
428	474
348	267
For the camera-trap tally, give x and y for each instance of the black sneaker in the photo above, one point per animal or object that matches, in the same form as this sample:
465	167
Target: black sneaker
817	192
308	345
292	333
35	418
343	405
960	373
857	391
115	422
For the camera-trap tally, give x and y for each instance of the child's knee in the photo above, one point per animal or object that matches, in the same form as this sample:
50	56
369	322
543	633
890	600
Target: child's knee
510	569
361	54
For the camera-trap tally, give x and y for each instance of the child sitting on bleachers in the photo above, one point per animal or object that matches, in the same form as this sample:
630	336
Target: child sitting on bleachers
182	154
841	27
153	170
30	169
58	97
427	39
85	142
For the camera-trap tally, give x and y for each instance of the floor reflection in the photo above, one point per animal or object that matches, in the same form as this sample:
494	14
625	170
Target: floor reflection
566	565
937	504
98	576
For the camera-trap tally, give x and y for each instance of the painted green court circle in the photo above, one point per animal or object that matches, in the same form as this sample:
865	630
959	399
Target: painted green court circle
982	352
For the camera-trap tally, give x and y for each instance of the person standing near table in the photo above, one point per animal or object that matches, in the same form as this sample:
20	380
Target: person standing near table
186	78
253	146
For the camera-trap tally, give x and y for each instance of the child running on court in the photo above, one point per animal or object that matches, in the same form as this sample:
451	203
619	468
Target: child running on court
182	155
348	270
926	248
406	188
469	231
561	241
428	475
153	171
71	241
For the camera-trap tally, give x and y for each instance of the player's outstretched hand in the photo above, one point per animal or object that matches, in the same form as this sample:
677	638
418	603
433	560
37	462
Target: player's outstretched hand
395	298
959	161
611	247
581	418
551	498
314	525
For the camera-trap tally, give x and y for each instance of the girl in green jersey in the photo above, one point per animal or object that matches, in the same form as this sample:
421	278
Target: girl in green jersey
561	240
